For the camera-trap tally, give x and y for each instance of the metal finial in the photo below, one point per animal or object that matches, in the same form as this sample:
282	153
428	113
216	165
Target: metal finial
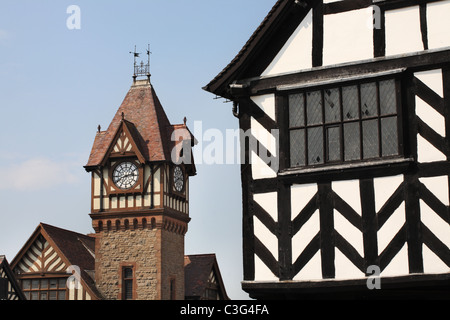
123	116
141	69
99	128
185	120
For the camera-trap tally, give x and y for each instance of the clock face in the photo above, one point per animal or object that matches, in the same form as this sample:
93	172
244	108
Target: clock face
125	175
178	179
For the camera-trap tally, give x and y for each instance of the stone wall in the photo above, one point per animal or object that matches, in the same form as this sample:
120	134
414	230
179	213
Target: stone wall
138	248
172	265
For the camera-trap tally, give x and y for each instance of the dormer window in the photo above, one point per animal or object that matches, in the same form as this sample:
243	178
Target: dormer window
347	123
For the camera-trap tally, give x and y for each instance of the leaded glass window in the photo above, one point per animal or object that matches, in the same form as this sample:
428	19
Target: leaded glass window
44	289
342	124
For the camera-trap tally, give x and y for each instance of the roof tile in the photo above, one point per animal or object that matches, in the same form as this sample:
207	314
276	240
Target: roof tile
143	109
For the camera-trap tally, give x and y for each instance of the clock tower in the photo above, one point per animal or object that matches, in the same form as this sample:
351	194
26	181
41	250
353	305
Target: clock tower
140	168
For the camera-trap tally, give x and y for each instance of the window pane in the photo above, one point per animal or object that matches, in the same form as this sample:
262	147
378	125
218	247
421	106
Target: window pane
370	139
296	110
128	289
369	100
128	273
350	102
314	107
26	284
297	148
52	295
53	283
388	99
333	144
34	295
315	146
352	145
332	106
35	284
44	295
62	283
44	284
389	136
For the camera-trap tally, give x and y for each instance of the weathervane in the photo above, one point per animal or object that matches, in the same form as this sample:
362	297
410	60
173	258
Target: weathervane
141	69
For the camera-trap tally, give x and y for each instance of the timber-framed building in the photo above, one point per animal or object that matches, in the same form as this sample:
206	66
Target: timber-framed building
349	105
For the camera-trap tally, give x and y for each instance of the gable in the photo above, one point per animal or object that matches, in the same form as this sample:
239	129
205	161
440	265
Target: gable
125	143
52	252
40	257
296	52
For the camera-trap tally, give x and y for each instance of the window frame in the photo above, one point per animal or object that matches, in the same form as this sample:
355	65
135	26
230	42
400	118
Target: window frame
40	290
286	128
126	279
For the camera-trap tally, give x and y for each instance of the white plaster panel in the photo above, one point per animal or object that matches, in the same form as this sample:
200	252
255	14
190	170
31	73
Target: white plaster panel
385	188
403	34
106	203
267	238
432	263
433	79
349	232
262	272
260	163
391	227
157	181
114	203
266	103
296	54
312	270
349	192
398	266
300	196
260	170
96	185
426	152
264	137
345	269
438	24
130	201
96	204
439	187
439	227
348	36
122	202
430	116
269	202
304	236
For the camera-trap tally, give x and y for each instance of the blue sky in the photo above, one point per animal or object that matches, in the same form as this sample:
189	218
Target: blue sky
57	85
